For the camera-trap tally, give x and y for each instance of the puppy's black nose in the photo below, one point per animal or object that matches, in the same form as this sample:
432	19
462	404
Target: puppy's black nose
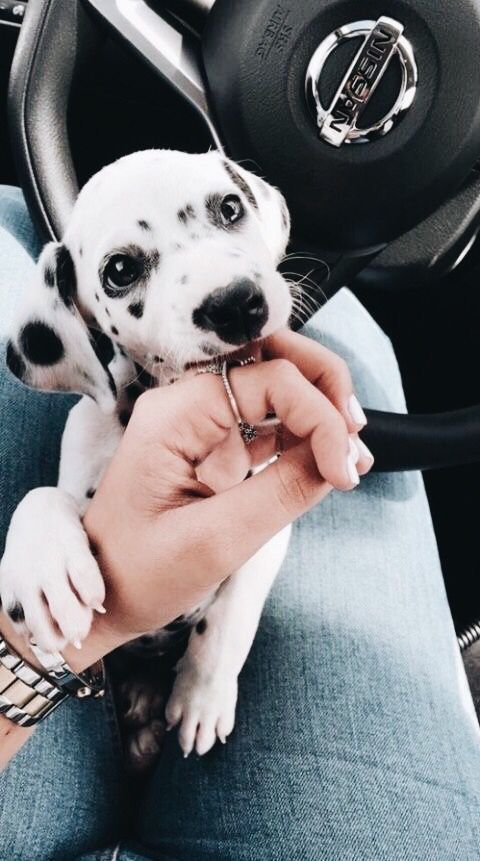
237	313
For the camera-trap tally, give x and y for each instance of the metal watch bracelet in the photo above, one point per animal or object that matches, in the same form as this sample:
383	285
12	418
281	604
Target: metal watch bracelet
90	683
26	696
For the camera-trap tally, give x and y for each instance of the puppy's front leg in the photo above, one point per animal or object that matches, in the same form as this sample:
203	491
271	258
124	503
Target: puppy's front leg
50	583
204	695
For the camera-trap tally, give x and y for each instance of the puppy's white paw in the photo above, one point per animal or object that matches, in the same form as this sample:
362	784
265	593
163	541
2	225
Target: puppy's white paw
202	704
50	583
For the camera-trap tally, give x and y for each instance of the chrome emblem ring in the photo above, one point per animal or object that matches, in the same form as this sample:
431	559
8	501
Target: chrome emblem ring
383	40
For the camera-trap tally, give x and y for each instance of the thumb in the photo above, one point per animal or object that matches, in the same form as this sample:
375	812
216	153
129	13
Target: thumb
238	522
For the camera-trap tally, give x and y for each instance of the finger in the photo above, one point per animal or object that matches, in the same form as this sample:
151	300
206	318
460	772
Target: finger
303	410
227	465
255	510
365	456
194	417
323	368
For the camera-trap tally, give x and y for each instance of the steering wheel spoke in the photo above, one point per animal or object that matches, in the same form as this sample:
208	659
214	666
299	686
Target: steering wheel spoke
166	43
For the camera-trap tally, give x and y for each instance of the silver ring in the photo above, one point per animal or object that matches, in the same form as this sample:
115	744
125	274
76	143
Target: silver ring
247	431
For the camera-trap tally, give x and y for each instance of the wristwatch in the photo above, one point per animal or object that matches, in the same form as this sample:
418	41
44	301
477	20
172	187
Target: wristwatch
26	696
90	683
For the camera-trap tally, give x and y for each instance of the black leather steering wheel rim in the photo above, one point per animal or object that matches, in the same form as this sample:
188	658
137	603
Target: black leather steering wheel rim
56	39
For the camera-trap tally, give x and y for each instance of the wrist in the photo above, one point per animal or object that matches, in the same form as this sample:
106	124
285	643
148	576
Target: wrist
100	641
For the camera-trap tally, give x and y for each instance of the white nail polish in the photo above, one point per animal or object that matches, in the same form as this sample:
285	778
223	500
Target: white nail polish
352	471
356	411
354	451
365	451
77	644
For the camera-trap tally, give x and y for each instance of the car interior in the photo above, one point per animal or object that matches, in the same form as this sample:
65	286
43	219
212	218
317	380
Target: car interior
397	222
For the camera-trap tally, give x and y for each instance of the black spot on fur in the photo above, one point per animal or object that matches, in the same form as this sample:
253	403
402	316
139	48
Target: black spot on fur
114	330
158	359
16	613
144	378
182	216
201	626
111	383
241	183
14	361
133	391
80	251
49	276
107	312
154	260
104	351
144	225
124	417
40	344
184	279
178	624
66	275
102	346
136	309
97	297
209	349
212	205
90	493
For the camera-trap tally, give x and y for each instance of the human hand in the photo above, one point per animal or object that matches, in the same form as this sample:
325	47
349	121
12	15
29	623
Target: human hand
328	372
163	539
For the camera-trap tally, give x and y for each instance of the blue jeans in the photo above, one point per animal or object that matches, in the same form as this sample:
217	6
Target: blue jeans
355	737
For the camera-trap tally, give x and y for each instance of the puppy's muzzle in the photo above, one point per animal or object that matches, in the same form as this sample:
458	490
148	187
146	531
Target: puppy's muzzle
236	313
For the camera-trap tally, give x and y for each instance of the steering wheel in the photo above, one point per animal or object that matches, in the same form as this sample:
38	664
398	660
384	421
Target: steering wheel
366	115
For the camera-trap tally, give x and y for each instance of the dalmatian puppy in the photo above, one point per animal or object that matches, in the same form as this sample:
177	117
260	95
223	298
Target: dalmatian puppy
169	259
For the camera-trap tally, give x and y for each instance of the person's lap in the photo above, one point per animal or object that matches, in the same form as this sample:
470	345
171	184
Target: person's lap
355	735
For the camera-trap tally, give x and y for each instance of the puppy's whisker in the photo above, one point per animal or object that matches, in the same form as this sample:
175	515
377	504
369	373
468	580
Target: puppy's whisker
305	256
306	307
315	289
303	305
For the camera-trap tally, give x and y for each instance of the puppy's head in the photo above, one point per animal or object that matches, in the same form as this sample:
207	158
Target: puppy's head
172	256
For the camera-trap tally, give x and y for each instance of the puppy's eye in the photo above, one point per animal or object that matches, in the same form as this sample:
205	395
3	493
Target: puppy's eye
232	209
122	270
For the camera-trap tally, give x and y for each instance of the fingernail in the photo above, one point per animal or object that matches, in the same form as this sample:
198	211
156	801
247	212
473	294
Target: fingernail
99	608
356	411
352	470
354	449
365	451
77	644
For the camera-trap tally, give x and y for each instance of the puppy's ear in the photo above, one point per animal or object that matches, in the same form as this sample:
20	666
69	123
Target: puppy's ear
51	347
269	205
